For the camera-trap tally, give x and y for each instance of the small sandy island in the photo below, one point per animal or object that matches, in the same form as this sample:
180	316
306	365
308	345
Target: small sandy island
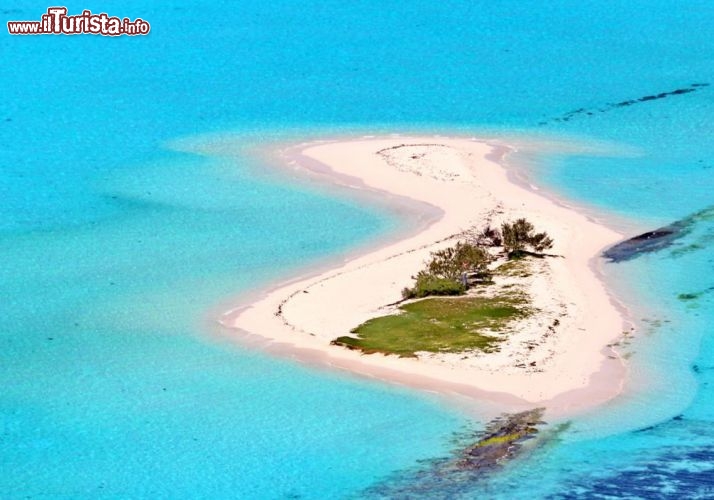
558	357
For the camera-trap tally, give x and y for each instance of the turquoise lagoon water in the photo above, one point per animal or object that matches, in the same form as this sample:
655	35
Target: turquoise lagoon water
113	247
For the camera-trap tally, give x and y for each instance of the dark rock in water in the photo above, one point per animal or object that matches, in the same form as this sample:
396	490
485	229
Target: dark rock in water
501	440
656	240
651	241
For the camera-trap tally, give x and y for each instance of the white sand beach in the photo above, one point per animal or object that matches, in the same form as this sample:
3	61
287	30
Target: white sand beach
565	365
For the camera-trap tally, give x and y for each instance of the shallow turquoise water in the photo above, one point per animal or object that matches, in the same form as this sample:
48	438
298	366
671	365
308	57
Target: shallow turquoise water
113	247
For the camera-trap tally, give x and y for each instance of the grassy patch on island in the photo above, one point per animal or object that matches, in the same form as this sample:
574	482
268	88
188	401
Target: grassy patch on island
438	325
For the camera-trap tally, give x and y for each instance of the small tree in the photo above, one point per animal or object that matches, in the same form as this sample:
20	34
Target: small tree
463	257
519	236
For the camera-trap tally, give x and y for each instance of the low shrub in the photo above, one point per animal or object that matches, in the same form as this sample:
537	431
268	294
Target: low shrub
428	284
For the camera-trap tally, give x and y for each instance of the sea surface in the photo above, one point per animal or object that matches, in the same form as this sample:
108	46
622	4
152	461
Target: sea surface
114	246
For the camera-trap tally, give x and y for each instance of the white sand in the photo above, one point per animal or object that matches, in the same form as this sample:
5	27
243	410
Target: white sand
564	364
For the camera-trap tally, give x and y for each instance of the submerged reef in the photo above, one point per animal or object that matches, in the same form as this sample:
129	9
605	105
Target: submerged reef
622	104
659	239
683	468
501	440
476	457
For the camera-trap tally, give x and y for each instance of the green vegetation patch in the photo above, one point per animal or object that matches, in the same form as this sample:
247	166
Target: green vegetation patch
517	267
438	325
508	438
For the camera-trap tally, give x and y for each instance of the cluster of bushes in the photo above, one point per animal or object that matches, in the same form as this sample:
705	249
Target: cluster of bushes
443	273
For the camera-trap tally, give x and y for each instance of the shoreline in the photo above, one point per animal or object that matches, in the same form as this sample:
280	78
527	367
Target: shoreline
434	197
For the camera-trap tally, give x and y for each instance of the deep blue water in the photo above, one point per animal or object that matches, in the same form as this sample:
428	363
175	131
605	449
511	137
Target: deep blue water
112	246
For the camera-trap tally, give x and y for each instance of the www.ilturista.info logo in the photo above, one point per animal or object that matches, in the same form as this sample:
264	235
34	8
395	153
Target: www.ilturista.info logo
57	22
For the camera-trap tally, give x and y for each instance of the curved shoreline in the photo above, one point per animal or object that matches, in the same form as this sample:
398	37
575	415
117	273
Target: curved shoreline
311	318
